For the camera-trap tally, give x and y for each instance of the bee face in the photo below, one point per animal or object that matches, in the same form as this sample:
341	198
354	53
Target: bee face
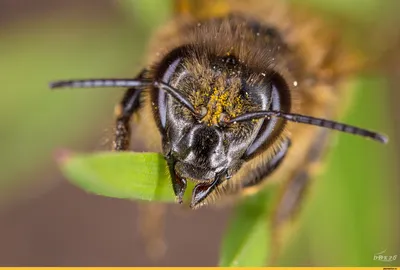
220	88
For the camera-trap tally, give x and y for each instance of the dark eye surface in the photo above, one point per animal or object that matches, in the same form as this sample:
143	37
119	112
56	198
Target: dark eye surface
277	98
162	96
164	73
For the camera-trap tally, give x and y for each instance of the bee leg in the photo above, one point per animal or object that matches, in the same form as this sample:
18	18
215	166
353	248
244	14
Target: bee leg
149	214
293	194
261	172
129	104
202	190
294	191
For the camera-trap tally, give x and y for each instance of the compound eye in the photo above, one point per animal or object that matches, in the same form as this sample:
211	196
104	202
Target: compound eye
165	73
271	128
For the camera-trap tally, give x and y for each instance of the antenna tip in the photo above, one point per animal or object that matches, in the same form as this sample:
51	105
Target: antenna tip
383	138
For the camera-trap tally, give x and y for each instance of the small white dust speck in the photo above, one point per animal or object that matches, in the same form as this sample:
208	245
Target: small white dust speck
258	33
263	74
295	83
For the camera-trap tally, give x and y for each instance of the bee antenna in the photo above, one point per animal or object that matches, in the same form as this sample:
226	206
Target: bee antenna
304	119
91	83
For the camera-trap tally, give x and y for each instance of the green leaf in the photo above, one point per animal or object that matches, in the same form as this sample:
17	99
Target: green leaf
246	242
128	175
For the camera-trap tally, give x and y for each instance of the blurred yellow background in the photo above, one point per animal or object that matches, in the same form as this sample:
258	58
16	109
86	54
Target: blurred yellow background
352	213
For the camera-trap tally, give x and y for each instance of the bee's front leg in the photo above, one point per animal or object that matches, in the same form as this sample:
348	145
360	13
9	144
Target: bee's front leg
129	104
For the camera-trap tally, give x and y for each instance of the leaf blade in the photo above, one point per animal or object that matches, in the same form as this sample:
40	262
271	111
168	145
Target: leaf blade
127	175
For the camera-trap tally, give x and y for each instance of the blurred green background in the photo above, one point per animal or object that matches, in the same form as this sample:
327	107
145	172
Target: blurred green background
353	210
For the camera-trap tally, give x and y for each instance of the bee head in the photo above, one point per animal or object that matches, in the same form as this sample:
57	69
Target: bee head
218	88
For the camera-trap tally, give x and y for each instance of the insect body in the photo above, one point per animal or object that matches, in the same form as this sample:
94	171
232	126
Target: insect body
221	93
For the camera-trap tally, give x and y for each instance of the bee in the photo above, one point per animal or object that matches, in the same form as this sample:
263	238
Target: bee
237	95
